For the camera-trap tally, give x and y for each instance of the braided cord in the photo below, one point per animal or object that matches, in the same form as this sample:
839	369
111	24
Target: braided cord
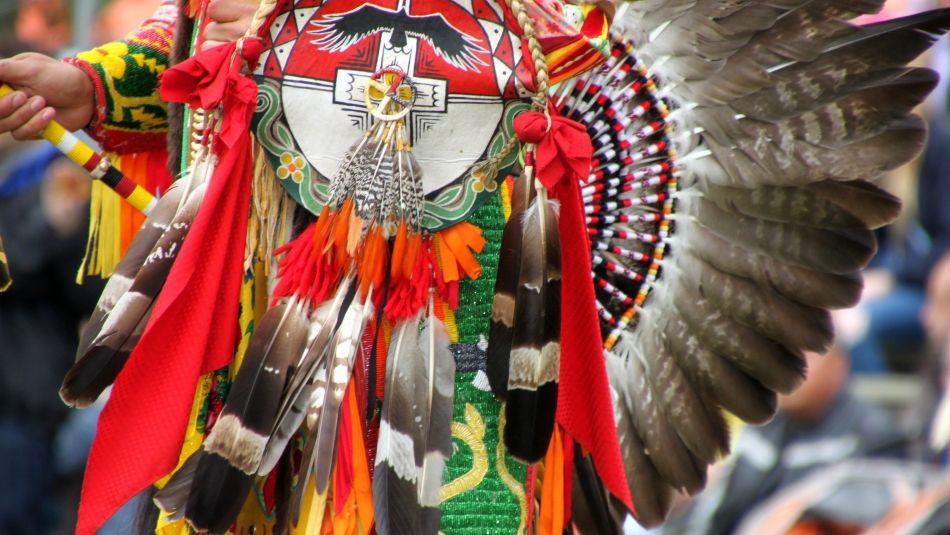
264	10
542	79
488	169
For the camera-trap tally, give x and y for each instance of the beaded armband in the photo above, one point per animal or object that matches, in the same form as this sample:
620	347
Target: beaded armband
130	116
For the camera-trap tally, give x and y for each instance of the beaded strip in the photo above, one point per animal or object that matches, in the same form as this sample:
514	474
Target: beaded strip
630	194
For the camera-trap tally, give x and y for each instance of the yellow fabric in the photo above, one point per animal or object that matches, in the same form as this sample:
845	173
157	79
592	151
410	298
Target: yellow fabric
194	436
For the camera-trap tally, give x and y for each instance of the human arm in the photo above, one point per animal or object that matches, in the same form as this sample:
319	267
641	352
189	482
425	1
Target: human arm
111	90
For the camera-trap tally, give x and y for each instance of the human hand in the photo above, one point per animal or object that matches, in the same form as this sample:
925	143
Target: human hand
230	20
46	88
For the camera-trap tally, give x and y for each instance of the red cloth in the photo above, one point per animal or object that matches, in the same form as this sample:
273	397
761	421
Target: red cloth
563	155
193	328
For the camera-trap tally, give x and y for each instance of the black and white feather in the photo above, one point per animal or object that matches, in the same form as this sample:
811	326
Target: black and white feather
120	317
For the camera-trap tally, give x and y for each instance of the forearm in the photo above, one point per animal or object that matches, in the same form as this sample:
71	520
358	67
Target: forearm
129	116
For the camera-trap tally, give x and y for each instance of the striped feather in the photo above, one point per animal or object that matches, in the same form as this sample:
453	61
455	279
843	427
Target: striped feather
113	341
535	355
498	354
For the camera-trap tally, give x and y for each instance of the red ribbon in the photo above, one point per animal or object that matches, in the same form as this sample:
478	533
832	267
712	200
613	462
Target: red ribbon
193	328
563	154
563	150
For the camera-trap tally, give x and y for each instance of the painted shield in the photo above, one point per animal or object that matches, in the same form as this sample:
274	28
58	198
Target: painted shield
462	56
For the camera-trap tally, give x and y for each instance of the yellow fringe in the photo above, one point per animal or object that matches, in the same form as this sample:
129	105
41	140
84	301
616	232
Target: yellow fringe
112	221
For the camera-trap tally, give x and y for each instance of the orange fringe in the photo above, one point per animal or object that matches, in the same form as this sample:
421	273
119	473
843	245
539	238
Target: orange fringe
551	521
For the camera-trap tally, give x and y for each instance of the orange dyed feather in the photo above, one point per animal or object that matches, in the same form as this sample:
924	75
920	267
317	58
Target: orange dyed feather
551	521
446	259
413	244
399	251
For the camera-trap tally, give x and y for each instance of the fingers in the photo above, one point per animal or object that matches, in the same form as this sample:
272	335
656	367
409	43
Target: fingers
230	19
24	118
12	103
217	33
33	128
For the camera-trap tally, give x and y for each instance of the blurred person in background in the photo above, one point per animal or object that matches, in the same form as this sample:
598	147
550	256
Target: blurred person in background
935	315
43	205
819	424
884	332
44	25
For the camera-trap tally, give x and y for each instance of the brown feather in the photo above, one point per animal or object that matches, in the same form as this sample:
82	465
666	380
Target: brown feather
98	366
500	331
535	356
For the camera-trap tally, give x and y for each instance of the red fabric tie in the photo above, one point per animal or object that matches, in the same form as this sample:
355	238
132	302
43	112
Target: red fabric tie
563	154
193	327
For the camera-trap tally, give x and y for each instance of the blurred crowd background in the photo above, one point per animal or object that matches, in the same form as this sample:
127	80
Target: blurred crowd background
861	447
44	206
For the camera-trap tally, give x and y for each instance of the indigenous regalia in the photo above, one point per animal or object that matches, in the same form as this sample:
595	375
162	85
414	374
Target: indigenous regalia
438	291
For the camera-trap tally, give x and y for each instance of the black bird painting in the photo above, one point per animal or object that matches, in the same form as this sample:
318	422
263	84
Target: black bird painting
336	33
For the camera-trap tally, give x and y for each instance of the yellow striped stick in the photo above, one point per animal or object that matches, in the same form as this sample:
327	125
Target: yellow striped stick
98	166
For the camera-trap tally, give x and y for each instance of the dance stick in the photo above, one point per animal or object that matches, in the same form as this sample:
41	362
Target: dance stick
98	166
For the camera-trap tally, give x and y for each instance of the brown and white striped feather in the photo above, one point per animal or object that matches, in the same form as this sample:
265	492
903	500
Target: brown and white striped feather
498	353
113	341
535	355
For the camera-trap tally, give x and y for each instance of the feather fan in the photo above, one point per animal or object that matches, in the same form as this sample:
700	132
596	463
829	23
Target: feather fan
729	206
